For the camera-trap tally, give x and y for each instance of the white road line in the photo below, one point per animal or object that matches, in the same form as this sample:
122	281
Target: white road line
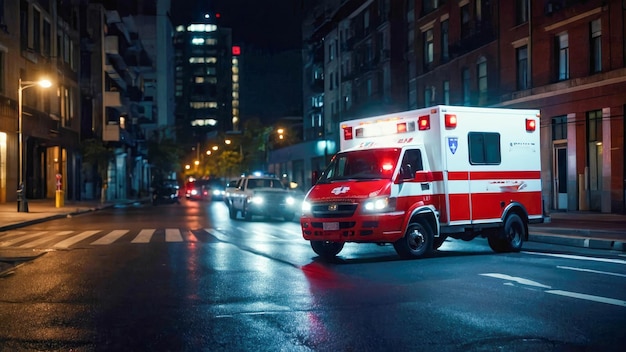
11	233
110	237
45	239
591	271
580	257
173	235
144	236
21	239
190	237
519	280
75	239
217	234
615	302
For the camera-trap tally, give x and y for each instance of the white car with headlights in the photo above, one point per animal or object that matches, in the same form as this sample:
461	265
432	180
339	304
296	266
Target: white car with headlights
264	196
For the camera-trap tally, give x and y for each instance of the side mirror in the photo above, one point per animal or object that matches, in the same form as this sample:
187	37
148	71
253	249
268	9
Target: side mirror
424	176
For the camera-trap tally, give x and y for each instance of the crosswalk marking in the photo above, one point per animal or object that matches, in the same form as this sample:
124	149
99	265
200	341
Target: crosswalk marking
173	235
45	238
75	239
144	236
21	239
110	237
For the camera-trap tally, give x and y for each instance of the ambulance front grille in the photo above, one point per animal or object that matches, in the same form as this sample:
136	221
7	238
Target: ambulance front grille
333	210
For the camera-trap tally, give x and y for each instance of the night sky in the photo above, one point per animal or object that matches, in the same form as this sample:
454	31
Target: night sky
269	33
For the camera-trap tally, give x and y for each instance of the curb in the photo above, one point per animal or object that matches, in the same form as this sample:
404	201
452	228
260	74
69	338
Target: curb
577	241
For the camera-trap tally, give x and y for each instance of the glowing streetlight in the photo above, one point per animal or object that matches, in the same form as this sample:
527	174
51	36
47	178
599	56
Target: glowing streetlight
22	204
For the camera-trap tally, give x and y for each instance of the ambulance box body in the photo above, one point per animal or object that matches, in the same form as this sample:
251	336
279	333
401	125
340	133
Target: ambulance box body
415	178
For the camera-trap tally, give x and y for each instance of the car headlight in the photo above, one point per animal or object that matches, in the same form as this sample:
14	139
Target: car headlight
256	200
380	204
290	201
194	192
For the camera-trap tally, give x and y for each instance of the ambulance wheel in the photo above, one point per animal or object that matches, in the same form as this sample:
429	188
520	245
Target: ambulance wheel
232	212
417	241
511	238
326	249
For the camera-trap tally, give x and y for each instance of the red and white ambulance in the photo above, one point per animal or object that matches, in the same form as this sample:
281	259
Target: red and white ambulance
414	178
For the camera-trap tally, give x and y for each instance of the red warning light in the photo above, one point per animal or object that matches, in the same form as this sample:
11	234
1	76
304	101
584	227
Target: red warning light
423	122
347	133
236	50
218	15
531	125
450	121
401	127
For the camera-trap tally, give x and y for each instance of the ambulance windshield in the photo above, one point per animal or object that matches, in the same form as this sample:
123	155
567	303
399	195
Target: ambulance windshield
372	164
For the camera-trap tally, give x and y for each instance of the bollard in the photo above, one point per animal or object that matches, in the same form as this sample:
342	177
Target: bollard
22	203
60	199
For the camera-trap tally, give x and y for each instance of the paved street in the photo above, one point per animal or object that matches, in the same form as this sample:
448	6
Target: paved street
184	276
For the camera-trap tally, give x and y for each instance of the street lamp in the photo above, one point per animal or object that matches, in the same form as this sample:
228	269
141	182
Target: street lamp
22	204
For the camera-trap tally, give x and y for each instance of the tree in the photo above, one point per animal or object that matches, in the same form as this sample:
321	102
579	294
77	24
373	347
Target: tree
96	154
164	155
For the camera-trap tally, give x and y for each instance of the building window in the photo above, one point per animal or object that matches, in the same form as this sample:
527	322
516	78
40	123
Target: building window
47	39
36	31
429	48
522	67
429	6
366	19
595	149
429	96
446	92
521	11
596	46
562	43
465	78
481	72
465	21
23	25
2	71
369	87
445	54
559	128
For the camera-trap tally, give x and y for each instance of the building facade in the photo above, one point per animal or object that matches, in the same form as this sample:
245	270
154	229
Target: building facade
565	58
39	40
206	82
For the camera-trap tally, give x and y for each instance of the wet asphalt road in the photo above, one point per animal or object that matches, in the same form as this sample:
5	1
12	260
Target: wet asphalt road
187	278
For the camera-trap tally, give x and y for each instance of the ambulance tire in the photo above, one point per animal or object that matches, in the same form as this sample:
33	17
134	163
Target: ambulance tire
417	241
327	249
511	238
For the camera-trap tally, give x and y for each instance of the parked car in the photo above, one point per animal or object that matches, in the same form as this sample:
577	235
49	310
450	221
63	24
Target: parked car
165	192
211	189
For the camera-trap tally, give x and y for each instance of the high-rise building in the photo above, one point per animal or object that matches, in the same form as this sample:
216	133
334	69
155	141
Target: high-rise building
206	80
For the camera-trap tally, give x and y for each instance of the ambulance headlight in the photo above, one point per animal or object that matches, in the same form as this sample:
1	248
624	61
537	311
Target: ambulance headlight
380	204
306	207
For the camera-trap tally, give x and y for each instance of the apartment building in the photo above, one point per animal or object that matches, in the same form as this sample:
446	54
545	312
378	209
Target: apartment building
565	58
39	127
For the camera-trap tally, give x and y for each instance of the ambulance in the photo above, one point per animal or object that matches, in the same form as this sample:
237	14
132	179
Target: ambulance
415	178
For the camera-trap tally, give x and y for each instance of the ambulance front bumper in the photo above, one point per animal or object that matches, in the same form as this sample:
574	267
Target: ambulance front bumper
377	228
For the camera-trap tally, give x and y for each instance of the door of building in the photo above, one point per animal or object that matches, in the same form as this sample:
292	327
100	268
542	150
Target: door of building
560	176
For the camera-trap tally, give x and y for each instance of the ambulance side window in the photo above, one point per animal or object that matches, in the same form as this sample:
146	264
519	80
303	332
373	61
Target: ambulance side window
484	148
411	162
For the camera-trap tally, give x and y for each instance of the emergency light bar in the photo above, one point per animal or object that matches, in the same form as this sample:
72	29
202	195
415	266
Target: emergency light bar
531	125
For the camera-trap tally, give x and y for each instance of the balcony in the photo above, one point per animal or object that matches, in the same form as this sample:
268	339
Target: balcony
112	99
111	133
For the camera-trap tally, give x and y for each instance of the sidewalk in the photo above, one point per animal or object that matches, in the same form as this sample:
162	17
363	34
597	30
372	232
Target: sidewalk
579	229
